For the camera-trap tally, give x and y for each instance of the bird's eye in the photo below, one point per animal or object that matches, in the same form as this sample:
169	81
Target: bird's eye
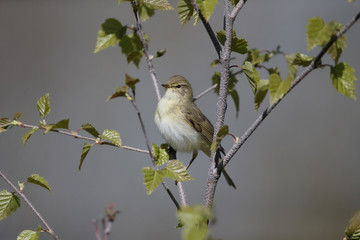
178	86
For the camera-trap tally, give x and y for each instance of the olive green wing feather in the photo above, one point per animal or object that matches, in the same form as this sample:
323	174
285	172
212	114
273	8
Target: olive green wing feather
195	118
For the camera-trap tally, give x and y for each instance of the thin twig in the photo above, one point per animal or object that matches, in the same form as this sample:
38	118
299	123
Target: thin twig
97	233
144	132
182	194
297	80
205	92
76	135
150	152
146	52
22	195
208	28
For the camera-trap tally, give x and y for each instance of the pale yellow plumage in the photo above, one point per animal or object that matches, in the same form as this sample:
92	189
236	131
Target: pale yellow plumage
181	123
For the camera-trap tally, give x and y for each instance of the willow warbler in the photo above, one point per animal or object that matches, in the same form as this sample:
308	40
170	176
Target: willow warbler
181	123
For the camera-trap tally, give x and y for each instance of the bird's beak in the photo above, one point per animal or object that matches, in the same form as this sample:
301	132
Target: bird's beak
165	85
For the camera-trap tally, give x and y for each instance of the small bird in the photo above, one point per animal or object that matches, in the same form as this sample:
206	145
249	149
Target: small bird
182	124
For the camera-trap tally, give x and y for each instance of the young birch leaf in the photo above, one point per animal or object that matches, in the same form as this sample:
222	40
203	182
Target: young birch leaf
160	154
17	115
9	202
5	122
303	60
111	26
160	53
85	150
353	230
43	105
105	41
237	45
274	85
235	97
131	82
338	46
90	129
343	79
27	135
313	28
112	136
29	234
207	7
194	220
251	74
177	171
2	130
119	92
145	12
186	11
262	88
64	124
158	4
224	130
38	180
152	179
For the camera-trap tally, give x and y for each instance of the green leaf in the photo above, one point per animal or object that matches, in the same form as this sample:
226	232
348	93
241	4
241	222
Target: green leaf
145	12
338	46
291	67
131	82
353	230
38	180
319	33
161	154
5	122
303	60
105	41
119	92
215	62
262	88
160	53
29	234
157	4
63	124
17	115
132	47
27	135
313	28
43	105
111	26
207	7
343	79
112	136
194	220
186	11
2	130
9	202
277	87
177	171
251	74
90	129
235	97
237	45
152	179
224	130
85	150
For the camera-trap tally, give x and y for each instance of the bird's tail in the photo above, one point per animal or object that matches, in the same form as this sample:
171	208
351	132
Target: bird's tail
228	178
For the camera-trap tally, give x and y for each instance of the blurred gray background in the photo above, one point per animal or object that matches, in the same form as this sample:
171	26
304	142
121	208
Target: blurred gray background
297	176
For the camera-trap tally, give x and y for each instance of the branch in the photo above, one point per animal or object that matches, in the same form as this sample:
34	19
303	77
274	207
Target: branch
208	28
297	80
49	230
205	92
150	152
146	51
76	135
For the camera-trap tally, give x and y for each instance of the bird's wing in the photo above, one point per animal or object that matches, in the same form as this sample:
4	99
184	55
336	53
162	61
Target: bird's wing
195	118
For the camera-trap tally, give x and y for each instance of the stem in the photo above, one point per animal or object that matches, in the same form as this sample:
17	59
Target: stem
146	52
297	80
208	28
205	92
76	135
150	153
22	195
